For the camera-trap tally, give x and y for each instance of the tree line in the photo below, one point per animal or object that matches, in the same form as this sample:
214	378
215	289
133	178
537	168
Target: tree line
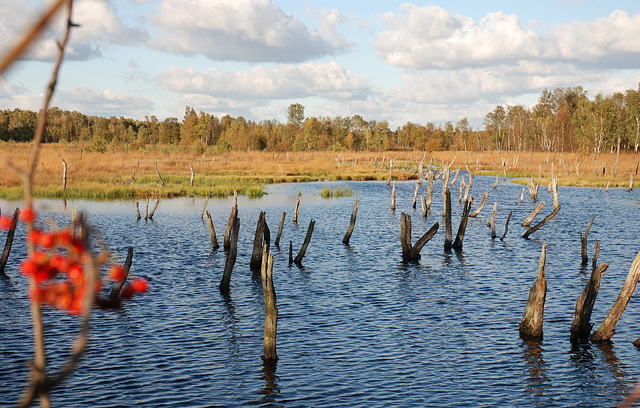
563	119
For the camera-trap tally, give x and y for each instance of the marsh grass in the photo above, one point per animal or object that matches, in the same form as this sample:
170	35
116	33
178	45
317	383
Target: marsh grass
109	175
339	191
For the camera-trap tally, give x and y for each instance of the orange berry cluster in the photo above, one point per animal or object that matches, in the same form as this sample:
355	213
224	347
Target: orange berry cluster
56	265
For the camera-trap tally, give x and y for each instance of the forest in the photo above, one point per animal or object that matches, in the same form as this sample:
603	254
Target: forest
562	120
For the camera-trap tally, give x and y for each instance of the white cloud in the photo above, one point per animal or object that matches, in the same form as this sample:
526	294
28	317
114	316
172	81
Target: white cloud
326	80
107	103
237	30
99	28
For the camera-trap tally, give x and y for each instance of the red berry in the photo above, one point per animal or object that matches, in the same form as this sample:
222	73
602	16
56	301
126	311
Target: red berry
140	285
34	237
5	222
47	240
116	273
64	237
75	272
27	214
29	267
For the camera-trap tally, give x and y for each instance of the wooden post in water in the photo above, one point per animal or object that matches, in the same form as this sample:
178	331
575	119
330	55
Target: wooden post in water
415	194
583	242
295	212
506	226
231	255
554	189
153	210
541	223
155	166
352	223
9	242
270	307
580	326
305	244
606	329
146	210
204	206
462	186
412	252
536	210
429	190
277	243
138	210
492	221
457	244
117	287
481	206
256	255
393	197
448	233
212	232
495	185
531	324
232	217
64	176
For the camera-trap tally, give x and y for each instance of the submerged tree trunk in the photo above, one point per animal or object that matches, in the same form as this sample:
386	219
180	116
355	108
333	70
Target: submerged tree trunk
277	243
352	223
9	242
583	242
536	210
270	306
580	327
531	324
457	244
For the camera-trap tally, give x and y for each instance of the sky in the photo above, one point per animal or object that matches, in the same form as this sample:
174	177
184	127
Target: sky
393	61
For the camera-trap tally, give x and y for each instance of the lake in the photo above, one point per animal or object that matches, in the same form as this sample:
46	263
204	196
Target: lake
357	326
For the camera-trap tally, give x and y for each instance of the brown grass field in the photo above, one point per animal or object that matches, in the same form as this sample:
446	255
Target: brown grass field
110	175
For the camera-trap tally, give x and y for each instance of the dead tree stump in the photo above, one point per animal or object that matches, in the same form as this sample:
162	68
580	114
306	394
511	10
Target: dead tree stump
193	174
393	197
352	223
534	213
204	207
457	244
277	243
231	256
155	166
448	233
481	206
606	329
232	217
138	210
9	242
531	324
583	242
256	255
429	190
506	226
115	291
305	244
155	206
212	231
415	194
270	307
580	327
412	252
492	221
541	223
296	210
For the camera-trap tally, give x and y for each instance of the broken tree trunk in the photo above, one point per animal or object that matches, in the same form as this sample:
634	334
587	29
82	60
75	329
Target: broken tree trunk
533	214
193	174
277	243
448	233
115	291
212	231
481	206
393	197
506	226
606	329
415	194
541	223
305	244
583	242
580	327
155	166
429	190
554	189
204	207
495	185
596	253
256	255
270	307
462	186
352	223
9	242
492	221
531	324
138	210
231	256
296	210
155	206
457	244
412	252
232	217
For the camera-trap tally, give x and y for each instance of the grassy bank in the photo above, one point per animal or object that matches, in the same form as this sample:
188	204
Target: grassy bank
123	174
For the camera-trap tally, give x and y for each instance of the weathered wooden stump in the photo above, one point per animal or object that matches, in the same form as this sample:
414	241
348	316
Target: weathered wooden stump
155	207
580	327
506	226
531	324
9	242
481	206
204	207
415	194
226	244
352	223
138	210
155	166
429	197
270	307
583	242
393	197
606	329
261	228
457	244
492	221
193	174
298	259
212	231
117	287
448	232
412	252
534	213
541	223
277	243
231	255
296	211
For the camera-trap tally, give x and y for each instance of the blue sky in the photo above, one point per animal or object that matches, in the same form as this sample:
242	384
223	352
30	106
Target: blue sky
392	61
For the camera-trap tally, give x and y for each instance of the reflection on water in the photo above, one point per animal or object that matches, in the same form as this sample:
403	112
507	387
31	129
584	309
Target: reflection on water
357	326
